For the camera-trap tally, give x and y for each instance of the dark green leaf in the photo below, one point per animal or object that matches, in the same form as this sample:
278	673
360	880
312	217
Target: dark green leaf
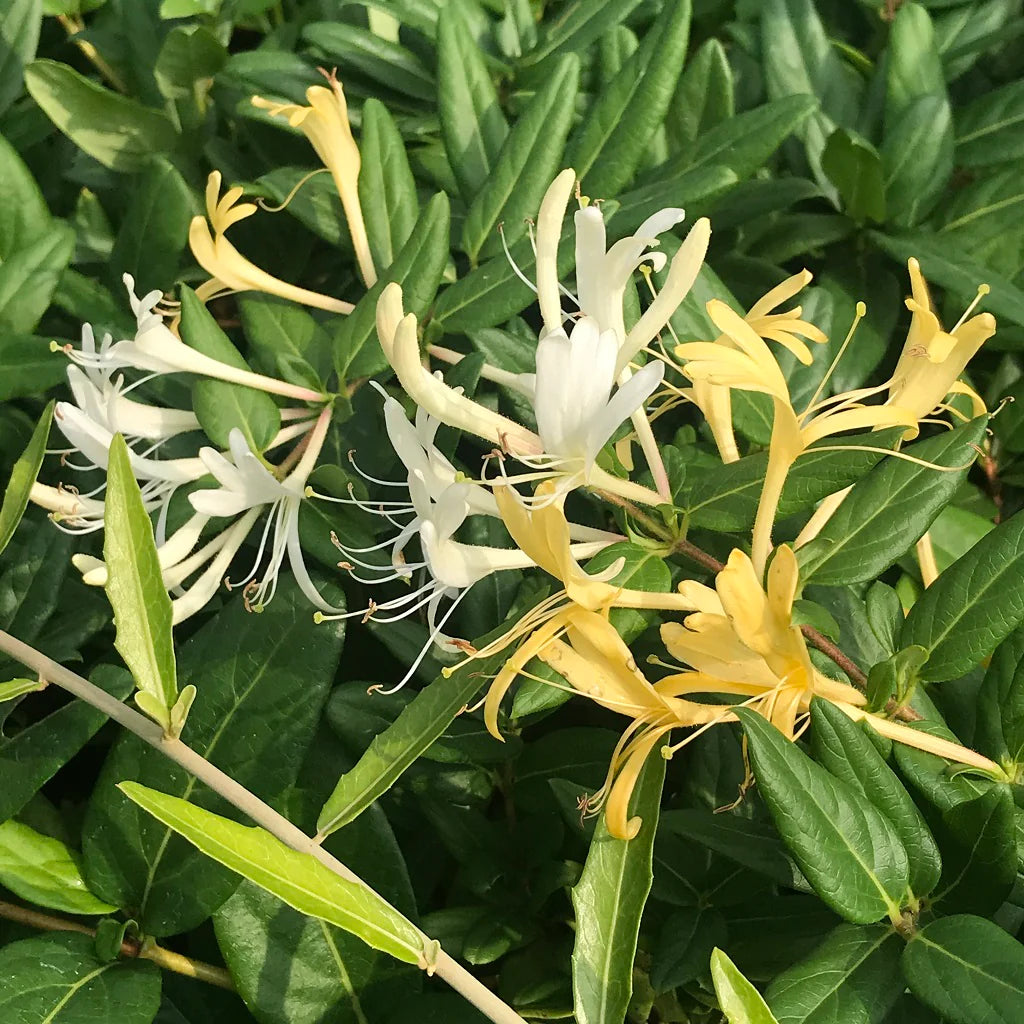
387	191
684	946
704	95
917	156
968	970
854	975
576	28
845	847
529	159
847	752
24	217
23	476
117	131
58	978
20	21
973	606
219	406
473	126
852	164
888	510
990	130
609	901
1000	726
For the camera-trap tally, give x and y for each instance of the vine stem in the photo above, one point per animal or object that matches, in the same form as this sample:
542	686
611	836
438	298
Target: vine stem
165	958
445	967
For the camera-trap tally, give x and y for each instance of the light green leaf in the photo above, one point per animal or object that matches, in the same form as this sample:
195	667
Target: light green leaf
44	871
20	21
135	587
24	217
609	901
968	970
914	68
29	277
889	510
222	407
609	145
387	190
973	606
57	978
917	156
574	30
117	131
189	55
740	1001
473	126
18	688
297	879
23	476
846	848
528	161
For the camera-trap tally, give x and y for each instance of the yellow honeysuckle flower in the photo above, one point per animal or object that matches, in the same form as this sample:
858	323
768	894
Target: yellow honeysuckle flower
325	123
932	360
788	328
747	363
228	268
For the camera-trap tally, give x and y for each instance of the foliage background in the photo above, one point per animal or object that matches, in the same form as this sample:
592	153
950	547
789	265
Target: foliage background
839	136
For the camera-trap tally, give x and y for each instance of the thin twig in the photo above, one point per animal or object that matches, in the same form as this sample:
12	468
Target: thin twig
469	987
130	948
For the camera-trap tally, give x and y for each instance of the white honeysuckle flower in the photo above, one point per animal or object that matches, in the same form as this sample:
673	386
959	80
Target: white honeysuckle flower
155	349
69	510
439	502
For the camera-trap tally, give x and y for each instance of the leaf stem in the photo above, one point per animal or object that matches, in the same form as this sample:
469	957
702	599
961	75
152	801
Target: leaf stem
261	813
130	948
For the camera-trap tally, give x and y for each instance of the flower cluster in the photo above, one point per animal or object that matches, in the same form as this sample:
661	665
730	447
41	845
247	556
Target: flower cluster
603	373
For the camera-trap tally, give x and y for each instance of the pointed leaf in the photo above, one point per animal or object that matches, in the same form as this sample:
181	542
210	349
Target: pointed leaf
740	1001
23	476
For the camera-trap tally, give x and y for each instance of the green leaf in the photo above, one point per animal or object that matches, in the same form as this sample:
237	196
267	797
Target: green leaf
29	277
574	30
387	191
13	688
845	847
286	341
263	680
609	145
853	975
889	510
219	406
20	21
298	879
724	497
135	587
58	978
31	757
473	126
117	131
23	476
44	871
853	165
968	970
914	68
609	901
703	97
990	130
687	938
973	606
845	749
155	227
24	217
529	159
917	157
1000	726
189	55
418	269
739	1000
960	275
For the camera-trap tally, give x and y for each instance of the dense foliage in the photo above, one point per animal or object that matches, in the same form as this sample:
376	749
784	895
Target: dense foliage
848	870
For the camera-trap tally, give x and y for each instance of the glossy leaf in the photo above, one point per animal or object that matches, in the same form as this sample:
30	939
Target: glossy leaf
23	476
739	1000
20	22
967	969
473	126
973	606
24	217
528	161
609	901
44	871
845	847
117	131
889	509
135	587
58	978
29	277
298	879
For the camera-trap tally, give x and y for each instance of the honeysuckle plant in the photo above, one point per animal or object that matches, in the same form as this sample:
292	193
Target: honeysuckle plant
544	519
